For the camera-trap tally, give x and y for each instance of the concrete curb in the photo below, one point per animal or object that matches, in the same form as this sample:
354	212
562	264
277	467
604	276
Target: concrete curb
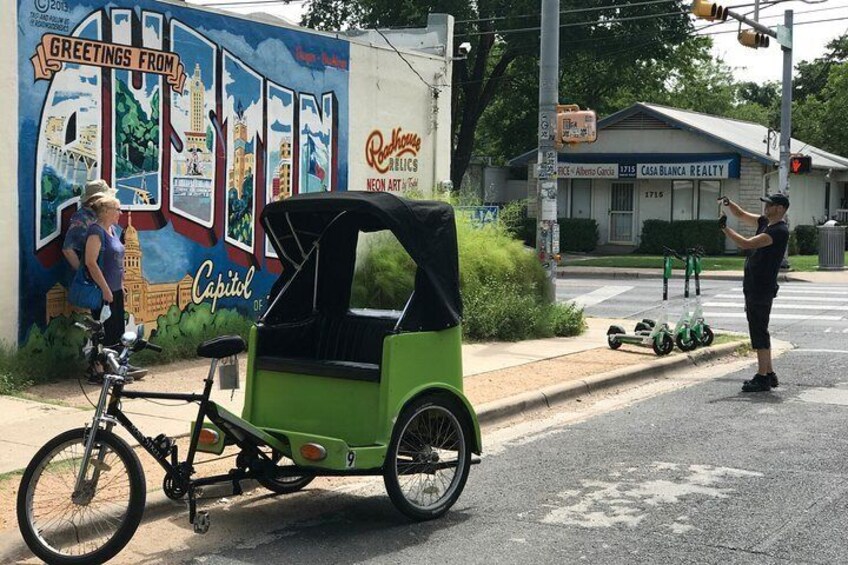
578	273
499	410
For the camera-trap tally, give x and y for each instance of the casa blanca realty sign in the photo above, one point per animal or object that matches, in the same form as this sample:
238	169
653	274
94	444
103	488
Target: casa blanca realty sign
707	169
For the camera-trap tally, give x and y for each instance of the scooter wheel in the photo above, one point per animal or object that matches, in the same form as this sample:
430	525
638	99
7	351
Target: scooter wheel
708	337
613	342
643	327
665	345
686	345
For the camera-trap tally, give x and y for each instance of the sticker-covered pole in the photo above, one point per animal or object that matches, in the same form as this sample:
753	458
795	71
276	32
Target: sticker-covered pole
547	161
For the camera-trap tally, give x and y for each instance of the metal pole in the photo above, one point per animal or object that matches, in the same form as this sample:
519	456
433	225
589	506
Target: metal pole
756	10
548	97
786	120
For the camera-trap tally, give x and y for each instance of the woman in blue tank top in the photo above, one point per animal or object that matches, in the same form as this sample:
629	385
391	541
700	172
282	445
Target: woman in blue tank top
104	238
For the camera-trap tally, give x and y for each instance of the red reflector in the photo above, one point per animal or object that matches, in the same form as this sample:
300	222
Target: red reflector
313	451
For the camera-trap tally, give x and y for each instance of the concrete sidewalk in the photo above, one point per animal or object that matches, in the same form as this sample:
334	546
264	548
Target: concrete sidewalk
576	271
26	425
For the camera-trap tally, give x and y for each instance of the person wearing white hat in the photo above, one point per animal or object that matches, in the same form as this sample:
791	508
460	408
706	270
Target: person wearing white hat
74	243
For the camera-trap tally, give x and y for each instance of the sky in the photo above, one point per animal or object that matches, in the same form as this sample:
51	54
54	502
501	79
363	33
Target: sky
758	65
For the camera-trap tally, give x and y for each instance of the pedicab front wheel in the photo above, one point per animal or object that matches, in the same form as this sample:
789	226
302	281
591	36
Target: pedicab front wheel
78	526
428	458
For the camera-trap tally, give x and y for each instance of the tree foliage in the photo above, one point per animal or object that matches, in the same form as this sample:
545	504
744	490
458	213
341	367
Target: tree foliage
820	97
499	79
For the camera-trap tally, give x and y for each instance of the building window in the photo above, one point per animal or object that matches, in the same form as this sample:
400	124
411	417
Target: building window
581	198
682	200
708	193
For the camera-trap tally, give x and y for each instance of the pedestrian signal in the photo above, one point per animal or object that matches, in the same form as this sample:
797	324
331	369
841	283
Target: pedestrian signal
709	10
753	39
800	164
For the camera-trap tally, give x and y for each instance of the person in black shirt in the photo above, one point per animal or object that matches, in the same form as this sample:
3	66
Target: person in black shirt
765	252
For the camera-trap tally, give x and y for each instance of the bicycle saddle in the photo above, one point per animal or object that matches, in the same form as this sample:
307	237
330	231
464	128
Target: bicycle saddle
221	346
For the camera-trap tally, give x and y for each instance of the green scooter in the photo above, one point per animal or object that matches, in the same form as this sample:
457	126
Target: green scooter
658	336
701	331
690	331
684	335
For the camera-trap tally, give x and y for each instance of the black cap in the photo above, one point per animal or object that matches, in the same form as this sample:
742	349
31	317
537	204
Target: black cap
779	199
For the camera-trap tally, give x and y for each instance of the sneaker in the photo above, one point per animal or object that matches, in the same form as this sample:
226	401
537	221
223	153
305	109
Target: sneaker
137	373
95	379
773	382
760	383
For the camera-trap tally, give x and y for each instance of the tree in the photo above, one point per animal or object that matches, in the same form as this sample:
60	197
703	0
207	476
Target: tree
821	88
505	44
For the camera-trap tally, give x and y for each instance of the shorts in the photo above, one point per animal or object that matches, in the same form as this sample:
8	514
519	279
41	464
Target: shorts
758	312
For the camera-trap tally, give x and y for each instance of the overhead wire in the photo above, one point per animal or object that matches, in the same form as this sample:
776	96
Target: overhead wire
608	21
601	8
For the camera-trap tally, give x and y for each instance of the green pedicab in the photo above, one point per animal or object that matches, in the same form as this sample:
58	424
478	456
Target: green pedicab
329	390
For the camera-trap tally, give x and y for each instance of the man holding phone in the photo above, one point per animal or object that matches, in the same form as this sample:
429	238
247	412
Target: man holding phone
765	252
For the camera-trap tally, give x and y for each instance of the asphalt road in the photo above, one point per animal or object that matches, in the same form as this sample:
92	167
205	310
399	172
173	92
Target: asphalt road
702	474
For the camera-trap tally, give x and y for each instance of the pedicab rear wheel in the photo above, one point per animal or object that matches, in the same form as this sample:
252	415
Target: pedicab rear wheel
283	485
428	459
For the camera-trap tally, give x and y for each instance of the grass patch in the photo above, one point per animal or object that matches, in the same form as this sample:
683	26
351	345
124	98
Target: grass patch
801	263
729	338
11	476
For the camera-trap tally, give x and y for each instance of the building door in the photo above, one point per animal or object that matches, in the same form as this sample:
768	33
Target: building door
621	213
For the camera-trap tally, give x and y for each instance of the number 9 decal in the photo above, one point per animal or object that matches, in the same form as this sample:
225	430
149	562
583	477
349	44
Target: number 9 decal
350	461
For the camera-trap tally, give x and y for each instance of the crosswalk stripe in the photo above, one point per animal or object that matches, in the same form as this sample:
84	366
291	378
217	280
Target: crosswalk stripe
779	305
780	296
806	290
599	295
709	315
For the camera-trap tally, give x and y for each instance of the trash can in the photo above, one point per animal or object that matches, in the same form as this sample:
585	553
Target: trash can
831	247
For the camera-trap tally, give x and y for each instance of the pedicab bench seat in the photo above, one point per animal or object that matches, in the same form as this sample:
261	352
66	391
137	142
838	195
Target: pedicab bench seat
346	347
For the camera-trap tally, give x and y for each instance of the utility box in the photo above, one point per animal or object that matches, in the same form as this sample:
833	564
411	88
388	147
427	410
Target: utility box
831	247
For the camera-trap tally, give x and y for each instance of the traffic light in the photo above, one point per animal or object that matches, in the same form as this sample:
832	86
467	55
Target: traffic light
753	39
800	164
574	125
709	10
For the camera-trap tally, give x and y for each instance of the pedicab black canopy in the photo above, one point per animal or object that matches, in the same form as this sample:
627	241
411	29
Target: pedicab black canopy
315	237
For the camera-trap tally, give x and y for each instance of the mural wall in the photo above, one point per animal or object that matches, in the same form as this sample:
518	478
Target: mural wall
198	119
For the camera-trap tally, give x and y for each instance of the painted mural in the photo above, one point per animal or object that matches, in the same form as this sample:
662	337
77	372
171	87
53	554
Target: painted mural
197	119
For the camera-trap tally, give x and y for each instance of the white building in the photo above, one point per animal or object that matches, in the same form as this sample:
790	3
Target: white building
653	162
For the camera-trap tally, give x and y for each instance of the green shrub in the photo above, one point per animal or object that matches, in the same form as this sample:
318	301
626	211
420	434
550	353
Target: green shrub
681	235
808	240
566	320
578	234
793	243
179	333
503	286
514	220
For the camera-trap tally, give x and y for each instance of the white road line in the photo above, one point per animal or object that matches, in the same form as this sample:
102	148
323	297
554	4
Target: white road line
805	290
820	351
599	295
781	297
779	305
709	315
